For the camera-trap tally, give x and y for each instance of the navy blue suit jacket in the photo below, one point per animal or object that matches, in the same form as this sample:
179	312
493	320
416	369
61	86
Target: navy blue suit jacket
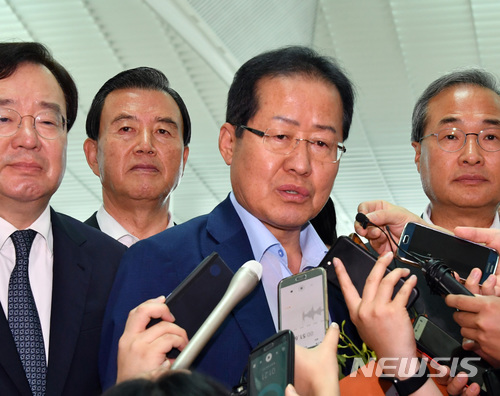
155	266
85	263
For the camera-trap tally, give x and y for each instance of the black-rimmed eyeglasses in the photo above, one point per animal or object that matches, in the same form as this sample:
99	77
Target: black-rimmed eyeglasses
284	142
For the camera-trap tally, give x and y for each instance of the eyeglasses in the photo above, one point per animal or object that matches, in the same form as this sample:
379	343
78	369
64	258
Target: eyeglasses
48	124
453	139
284	142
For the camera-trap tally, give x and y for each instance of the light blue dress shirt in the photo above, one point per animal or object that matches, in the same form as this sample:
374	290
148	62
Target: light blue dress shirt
271	254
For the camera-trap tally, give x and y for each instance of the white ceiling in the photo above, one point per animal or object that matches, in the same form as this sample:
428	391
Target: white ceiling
391	49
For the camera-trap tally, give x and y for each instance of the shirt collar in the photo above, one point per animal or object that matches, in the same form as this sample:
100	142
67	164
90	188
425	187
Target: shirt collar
114	229
426	216
42	226
261	239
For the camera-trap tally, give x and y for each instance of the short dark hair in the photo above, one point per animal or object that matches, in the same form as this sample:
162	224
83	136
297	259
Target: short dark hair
172	383
474	76
242	101
139	78
14	54
325	223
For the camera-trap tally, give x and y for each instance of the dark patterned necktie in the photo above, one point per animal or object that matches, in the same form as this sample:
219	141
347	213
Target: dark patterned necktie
24	322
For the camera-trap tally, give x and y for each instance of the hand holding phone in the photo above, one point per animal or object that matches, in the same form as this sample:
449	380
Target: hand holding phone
358	262
303	306
457	253
271	365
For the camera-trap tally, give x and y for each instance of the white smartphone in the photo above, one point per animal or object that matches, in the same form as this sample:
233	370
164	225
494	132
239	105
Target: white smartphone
457	253
303	306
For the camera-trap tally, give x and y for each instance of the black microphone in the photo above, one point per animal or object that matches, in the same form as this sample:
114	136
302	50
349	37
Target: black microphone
362	219
242	283
440	279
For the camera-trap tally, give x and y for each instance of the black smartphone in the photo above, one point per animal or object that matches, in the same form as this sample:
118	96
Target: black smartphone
445	350
358	262
457	253
196	296
271	365
303	306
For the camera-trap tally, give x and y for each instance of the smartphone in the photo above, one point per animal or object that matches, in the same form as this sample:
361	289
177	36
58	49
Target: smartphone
433	341
358	262
457	253
303	306
437	344
271	365
196	296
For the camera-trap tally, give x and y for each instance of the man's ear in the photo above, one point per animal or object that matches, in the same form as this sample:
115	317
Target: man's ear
90	149
185	156
418	147
227	142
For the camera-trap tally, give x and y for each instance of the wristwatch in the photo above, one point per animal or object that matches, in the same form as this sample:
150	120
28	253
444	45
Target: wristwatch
409	385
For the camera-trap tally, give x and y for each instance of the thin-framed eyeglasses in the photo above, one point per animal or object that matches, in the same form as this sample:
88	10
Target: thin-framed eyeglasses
284	142
49	124
454	139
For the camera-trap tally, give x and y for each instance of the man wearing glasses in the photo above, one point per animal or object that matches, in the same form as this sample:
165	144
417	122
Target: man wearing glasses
288	114
56	272
456	137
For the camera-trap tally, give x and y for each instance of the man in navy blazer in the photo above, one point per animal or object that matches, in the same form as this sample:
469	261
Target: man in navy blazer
288	113
71	266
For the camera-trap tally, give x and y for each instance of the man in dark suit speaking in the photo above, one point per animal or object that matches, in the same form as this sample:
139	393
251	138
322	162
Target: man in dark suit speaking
288	114
56	272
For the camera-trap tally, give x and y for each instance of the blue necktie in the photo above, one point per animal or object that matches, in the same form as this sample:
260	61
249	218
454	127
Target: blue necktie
24	322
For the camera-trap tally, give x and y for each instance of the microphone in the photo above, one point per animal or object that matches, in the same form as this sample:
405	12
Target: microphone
362	219
242	283
440	279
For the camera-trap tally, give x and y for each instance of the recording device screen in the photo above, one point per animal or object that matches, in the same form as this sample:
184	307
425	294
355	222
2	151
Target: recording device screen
458	254
303	306
271	366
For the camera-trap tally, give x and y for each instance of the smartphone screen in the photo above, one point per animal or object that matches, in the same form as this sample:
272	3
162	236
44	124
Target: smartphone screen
271	364
457	253
303	306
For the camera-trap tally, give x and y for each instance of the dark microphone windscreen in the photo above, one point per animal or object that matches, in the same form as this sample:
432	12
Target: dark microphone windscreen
362	219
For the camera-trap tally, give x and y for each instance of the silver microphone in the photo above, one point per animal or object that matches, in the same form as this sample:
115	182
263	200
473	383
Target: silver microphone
242	283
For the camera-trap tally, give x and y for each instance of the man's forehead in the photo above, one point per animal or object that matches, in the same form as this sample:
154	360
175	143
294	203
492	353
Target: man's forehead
463	100
34	83
139	98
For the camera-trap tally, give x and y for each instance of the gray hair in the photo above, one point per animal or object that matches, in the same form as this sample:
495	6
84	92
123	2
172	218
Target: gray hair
475	76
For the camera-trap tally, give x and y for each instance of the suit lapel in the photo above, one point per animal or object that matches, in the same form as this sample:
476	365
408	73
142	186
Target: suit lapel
232	244
70	282
9	358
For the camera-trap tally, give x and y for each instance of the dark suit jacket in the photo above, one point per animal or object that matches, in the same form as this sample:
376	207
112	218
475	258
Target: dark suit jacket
92	221
85	263
155	266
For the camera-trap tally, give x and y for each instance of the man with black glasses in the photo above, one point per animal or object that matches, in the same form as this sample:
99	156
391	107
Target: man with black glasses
289	112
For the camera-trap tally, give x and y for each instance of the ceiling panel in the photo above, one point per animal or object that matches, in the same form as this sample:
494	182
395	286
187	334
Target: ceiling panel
392	49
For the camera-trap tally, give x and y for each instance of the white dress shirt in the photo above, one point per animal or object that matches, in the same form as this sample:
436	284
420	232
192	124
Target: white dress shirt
271	254
39	269
427	217
115	230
